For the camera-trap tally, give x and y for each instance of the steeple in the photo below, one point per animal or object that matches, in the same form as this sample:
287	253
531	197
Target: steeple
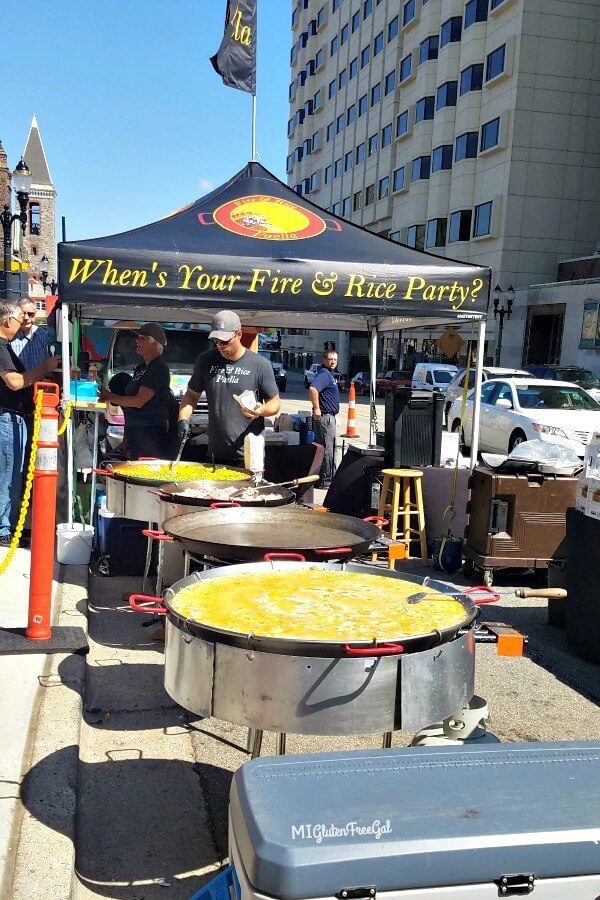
4	177
35	157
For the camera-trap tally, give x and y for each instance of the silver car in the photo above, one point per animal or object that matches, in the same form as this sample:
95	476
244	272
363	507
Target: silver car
455	388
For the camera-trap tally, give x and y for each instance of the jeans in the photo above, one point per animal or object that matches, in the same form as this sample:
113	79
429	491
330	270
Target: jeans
13	440
325	429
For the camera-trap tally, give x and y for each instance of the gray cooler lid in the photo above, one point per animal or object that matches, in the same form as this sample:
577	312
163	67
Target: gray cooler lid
309	826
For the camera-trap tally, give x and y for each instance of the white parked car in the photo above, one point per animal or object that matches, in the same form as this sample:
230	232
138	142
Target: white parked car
433	376
455	388
309	376
520	409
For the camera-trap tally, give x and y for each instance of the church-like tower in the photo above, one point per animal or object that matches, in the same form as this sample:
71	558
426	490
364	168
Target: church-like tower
40	236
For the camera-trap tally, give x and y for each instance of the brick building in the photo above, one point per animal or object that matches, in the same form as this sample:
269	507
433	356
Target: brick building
40	236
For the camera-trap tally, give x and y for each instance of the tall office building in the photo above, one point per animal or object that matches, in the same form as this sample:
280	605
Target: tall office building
468	129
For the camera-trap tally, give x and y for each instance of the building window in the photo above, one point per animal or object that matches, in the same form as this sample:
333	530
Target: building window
306	185
314	181
424	109
342	79
441	158
290	128
460	226
398	181
346	206
357	201
334	46
482	224
384	187
330	131
392	29
406	67
386	136
490	135
362	105
409	11
415	237
378	44
496	3
344	35
353	68
307	147
308	108
369	194
390	82
367	8
316	141
471	79
298	188
373	144
446	94
317	100
421	168
335	5
476	11
375	94
328	174
395	236
339	123
466	146
402	124
321	17
355	21
348	161
451	31
360	153
336	209
295	17
495	62
351	114
298	154
301	78
337	168
332	88
436	233
289	163
365	57
428	49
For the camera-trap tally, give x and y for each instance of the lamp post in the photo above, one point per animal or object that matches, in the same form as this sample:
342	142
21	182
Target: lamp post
21	183
502	311
44	271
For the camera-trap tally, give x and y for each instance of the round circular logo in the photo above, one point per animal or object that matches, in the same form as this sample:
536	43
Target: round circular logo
268	219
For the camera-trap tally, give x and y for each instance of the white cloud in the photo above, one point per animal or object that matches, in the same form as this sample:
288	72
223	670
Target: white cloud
206	185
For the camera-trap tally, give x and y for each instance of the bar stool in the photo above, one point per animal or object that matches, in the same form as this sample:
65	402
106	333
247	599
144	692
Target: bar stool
405	484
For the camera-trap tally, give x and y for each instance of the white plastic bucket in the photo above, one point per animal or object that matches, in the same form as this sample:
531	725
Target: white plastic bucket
74	544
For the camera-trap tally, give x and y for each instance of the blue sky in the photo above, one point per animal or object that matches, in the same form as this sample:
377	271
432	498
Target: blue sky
134	119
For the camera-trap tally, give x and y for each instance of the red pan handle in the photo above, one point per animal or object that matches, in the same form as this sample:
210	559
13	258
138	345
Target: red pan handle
158	493
148	458
269	557
156	535
377	520
335	551
224	505
492	596
106	472
380	650
144	603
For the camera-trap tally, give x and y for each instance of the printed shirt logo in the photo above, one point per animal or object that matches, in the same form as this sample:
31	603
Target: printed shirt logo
268	219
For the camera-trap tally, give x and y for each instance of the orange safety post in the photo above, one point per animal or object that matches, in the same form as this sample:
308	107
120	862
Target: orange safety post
351	426
43	521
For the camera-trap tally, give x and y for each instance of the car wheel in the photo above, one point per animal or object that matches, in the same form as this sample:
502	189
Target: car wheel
468	568
518	437
488	577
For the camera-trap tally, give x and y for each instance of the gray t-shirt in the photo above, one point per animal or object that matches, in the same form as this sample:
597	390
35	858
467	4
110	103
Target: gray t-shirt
221	379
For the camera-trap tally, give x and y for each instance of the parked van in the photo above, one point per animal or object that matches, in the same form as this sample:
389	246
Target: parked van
433	377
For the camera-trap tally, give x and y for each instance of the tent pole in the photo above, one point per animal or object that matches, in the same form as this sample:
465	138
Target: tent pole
253	127
66	385
373	378
477	394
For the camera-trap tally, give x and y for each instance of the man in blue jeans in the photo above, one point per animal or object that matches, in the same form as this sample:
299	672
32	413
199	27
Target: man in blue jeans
325	399
16	406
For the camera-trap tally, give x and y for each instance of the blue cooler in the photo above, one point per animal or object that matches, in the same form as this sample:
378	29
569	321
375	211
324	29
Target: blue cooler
121	545
473	822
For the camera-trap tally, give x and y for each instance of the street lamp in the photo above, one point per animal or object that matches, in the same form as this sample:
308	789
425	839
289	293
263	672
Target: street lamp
21	183
502	311
44	271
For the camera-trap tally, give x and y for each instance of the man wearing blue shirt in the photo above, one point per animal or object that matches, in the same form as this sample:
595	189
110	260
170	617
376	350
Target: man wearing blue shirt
325	399
31	343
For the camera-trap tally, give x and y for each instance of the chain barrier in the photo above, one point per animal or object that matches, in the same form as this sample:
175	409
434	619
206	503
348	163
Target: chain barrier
37	418
68	409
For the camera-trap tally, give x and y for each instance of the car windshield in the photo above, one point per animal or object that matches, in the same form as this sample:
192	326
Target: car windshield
443	377
537	396
182	350
578	376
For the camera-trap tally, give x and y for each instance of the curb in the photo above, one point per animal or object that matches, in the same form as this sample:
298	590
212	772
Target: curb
42	858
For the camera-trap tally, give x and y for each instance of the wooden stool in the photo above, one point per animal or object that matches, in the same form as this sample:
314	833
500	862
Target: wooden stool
400	482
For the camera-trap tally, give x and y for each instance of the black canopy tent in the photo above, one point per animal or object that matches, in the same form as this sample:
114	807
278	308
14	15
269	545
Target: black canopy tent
256	246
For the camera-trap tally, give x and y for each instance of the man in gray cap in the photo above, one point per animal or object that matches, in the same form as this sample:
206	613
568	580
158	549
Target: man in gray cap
226	370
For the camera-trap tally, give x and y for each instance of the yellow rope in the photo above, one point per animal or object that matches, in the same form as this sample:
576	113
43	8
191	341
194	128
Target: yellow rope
67	415
37	418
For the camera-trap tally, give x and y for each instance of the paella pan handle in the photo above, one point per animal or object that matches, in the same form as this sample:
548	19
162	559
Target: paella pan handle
269	557
156	535
148	458
106	472
144	603
377	520
334	551
224	504
379	650
160	494
492	596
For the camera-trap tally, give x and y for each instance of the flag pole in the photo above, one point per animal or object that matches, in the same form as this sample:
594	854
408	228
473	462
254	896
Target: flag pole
253	127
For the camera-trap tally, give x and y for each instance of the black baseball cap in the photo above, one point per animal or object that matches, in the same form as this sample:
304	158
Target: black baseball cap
154	330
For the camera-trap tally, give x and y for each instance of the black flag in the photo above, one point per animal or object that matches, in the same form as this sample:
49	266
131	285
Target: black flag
235	60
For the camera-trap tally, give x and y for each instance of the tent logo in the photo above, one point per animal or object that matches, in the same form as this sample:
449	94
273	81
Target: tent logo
268	219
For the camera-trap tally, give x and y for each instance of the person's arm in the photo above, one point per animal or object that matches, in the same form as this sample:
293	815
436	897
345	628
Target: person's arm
267	387
188	404
16	381
136	401
314	399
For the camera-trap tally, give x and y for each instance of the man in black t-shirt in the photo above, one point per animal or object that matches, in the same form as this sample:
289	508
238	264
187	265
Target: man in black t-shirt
16	406
226	370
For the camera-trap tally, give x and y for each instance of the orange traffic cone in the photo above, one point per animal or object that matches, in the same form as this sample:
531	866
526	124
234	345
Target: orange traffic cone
351	427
